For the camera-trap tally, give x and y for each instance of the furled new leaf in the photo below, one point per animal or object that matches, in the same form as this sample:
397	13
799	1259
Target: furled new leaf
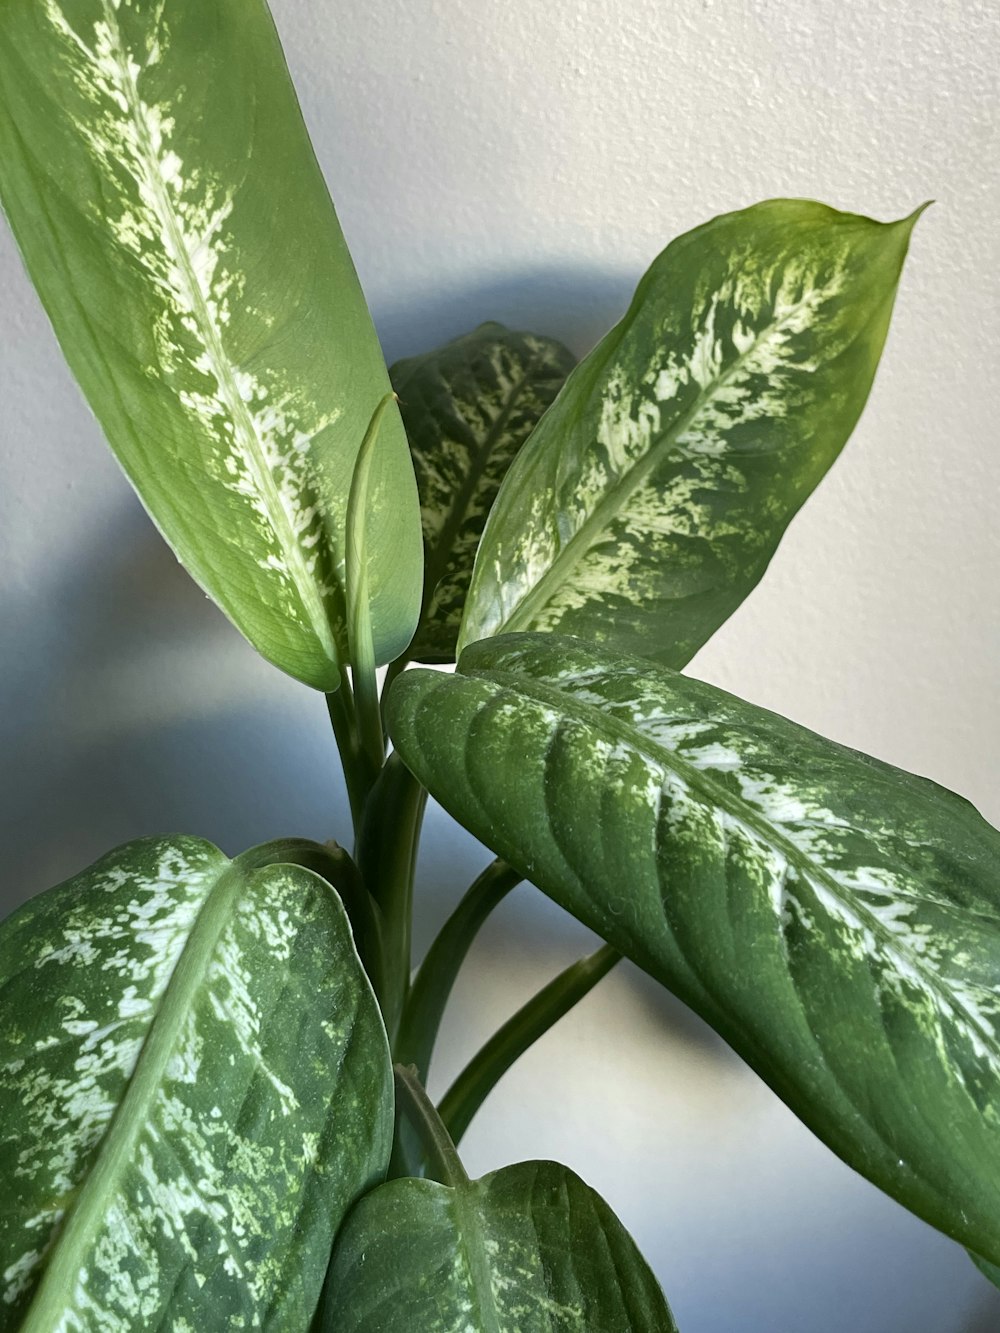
653	493
160	182
835	919
528	1249
194	1087
468	407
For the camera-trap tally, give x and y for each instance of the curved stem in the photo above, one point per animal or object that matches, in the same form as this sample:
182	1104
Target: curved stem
436	977
481	1075
444	1163
358	771
387	854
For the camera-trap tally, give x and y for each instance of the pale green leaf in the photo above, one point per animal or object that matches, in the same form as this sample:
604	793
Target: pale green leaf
160	182
194	1087
649	500
468	407
529	1249
835	919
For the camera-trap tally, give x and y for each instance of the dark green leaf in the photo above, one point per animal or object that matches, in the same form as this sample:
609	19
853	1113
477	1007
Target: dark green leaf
468	407
835	919
653	493
529	1249
194	1087
160	182
988	1270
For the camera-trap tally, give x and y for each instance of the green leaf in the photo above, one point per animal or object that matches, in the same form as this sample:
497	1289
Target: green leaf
468	407
528	1249
160	182
653	493
194	1087
988	1270
835	919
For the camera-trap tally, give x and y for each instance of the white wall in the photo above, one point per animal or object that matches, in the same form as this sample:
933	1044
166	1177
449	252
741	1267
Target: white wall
525	161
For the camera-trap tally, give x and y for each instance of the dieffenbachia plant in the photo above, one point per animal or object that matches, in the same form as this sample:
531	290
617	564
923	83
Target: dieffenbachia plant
213	1105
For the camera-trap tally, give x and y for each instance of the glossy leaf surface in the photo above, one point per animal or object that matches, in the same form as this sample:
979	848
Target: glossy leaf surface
468	407
529	1249
835	919
160	182
194	1087
652	495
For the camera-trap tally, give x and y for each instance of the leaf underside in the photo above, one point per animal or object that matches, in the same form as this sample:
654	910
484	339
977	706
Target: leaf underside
194	1087
835	919
529	1249
468	407
159	180
650	498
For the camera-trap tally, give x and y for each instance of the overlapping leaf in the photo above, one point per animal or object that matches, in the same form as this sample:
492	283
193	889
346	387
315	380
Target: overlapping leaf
836	919
468	407
162	188
194	1087
528	1249
654	492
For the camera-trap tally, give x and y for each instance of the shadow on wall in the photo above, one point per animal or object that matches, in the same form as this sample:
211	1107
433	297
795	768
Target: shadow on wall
569	302
131	706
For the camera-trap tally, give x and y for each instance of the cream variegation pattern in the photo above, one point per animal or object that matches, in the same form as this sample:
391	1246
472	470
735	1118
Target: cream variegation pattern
165	1150
653	494
836	919
197	278
468	407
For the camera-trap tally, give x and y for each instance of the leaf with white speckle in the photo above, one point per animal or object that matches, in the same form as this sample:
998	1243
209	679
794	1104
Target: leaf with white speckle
161	185
653	493
836	919
529	1249
468	407
194	1088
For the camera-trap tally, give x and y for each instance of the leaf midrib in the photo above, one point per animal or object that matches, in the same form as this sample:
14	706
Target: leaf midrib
473	1241
211	338
624	487
701	781
438	556
117	1149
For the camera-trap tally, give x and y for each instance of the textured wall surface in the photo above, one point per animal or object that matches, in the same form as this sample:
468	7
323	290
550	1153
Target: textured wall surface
524	162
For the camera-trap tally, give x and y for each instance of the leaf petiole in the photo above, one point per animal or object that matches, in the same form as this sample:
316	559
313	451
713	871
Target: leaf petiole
436	977
443	1161
481	1075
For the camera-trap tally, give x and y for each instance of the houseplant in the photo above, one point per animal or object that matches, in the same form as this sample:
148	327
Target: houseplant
813	905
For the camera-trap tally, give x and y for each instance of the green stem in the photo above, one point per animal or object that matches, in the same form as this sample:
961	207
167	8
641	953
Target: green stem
465	1096
387	855
358	771
444	1163
436	977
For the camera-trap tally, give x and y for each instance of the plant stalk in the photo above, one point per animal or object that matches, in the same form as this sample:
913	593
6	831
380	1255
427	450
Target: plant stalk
436	977
387	855
440	1153
481	1075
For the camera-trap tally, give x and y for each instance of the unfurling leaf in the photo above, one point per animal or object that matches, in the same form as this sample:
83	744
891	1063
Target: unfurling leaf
160	182
653	493
835	919
468	407
194	1087
529	1249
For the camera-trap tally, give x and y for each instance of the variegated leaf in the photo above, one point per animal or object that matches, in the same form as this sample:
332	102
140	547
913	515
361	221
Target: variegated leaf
652	495
529	1249
467	408
159	180
835	919
194	1087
